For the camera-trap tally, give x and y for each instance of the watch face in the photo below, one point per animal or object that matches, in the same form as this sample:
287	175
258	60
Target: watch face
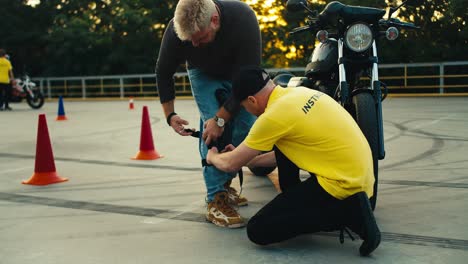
220	122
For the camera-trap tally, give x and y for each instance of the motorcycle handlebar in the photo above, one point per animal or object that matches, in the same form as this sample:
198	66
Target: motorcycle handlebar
316	22
397	23
300	30
407	25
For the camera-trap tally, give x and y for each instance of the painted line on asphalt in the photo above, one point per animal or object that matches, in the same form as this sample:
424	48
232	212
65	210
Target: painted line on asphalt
179	168
107	163
100	207
430	241
440	242
155	220
423	183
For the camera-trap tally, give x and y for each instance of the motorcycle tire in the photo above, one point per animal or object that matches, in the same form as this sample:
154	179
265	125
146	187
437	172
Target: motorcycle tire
365	114
261	171
37	102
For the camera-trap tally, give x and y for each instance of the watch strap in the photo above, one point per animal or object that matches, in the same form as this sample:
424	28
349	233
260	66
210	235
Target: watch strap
168	119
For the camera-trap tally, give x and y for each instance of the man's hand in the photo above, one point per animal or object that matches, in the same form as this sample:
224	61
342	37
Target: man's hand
228	148
232	159
212	152
178	123
211	131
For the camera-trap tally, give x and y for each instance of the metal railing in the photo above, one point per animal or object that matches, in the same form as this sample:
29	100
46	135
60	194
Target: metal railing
444	78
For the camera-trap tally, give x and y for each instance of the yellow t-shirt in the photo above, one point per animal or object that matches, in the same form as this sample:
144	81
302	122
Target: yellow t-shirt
319	136
5	67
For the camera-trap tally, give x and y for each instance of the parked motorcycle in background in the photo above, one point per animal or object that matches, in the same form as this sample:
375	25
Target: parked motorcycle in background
347	52
26	89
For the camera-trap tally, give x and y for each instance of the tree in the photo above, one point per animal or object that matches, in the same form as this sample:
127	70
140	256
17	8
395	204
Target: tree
106	37
280	49
443	35
97	37
23	35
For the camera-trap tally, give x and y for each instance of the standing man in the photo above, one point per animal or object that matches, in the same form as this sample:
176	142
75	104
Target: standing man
214	38
7	79
312	132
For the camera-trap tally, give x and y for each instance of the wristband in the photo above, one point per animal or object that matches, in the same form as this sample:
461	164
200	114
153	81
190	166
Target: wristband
169	118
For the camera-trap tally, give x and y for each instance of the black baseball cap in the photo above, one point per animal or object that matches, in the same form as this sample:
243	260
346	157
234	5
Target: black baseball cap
248	81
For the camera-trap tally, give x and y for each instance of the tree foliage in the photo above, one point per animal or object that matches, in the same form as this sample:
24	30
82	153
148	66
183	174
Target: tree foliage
443	35
91	37
98	37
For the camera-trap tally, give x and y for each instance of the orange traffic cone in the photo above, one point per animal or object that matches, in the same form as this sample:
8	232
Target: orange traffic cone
131	107
147	151
44	169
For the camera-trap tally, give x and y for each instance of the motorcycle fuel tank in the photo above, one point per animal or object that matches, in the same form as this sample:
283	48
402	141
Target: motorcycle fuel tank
324	59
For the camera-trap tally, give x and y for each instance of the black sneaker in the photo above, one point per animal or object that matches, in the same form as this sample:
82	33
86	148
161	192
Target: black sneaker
8	108
362	222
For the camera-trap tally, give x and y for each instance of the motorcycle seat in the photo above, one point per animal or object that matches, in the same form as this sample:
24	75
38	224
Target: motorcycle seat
351	13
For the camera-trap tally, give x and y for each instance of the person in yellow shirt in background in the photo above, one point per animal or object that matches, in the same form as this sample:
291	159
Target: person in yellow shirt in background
7	79
307	130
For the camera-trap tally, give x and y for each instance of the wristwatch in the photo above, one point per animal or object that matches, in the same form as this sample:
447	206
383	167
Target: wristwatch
219	121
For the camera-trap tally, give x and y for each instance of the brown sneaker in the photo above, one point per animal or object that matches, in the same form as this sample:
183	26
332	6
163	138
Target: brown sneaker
235	198
222	214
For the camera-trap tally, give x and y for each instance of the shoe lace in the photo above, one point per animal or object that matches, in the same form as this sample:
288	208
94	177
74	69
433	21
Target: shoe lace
233	191
223	205
342	229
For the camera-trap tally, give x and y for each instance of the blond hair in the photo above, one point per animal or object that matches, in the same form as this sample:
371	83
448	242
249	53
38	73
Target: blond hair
192	16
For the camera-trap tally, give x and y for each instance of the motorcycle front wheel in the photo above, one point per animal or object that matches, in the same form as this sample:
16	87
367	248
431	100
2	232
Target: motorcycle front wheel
37	101
365	114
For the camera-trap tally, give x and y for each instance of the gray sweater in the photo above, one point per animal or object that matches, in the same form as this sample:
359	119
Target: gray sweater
237	43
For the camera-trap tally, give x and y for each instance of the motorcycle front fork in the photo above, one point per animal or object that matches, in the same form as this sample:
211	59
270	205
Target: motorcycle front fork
343	90
29	91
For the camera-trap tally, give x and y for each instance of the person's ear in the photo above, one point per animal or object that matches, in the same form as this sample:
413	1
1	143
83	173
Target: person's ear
215	19
251	99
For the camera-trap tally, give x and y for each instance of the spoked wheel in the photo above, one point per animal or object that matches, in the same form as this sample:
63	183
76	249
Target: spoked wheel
37	101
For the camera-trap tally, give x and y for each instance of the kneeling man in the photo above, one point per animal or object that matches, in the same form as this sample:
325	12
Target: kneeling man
307	130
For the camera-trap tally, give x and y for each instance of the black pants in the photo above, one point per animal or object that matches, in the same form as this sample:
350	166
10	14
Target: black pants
5	91
302	207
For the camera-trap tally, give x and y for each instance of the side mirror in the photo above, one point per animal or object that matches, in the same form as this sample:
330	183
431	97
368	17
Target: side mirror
405	3
296	5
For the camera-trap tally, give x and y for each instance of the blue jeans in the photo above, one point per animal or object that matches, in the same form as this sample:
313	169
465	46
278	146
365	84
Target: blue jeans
203	90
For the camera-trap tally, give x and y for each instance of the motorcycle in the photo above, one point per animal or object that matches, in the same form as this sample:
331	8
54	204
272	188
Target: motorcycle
344	55
26	89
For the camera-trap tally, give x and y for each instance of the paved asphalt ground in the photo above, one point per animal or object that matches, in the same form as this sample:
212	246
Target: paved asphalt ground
117	210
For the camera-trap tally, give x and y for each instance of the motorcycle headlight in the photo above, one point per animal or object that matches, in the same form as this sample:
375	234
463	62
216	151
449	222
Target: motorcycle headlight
358	37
